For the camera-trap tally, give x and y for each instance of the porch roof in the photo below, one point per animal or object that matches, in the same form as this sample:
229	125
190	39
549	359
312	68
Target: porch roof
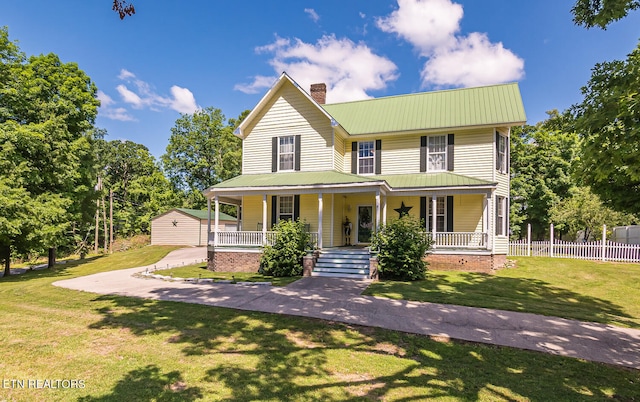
345	182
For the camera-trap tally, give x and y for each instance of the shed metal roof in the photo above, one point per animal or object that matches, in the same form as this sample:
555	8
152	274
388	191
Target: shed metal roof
489	105
202	215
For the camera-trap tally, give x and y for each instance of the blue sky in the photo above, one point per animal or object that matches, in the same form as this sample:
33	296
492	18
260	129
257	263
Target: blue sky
173	57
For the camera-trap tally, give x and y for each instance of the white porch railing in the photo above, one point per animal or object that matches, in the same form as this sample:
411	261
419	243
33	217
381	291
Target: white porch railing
249	239
460	240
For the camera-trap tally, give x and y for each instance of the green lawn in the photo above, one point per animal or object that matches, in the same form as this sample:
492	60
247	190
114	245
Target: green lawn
123	348
201	271
582	290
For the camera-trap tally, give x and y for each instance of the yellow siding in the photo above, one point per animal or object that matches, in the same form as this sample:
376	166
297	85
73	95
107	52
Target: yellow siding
396	202
339	154
185	232
401	154
473	153
467	213
252	213
290	113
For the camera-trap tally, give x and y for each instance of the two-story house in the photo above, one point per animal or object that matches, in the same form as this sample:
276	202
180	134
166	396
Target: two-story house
346	168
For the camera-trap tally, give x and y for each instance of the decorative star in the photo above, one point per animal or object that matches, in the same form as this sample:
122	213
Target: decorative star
175	223
403	210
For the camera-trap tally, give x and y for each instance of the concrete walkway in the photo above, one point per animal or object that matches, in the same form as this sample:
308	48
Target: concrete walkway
341	300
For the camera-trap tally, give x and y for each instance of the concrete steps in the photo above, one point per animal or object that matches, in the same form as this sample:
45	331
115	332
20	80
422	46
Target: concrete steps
343	263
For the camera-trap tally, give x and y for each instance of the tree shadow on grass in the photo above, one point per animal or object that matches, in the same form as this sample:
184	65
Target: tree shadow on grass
149	384
512	294
59	270
257	356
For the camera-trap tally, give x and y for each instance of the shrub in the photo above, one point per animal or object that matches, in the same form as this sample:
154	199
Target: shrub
284	256
402	245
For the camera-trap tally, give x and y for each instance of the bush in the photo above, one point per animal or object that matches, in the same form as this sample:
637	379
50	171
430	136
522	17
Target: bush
284	256
401	246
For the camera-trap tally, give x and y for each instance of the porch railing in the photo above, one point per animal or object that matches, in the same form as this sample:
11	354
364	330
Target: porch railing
250	239
454	240
460	240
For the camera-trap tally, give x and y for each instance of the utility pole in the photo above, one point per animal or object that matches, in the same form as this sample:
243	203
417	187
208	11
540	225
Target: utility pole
98	187
110	221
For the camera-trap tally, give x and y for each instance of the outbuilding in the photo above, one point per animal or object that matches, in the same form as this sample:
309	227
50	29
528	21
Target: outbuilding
182	226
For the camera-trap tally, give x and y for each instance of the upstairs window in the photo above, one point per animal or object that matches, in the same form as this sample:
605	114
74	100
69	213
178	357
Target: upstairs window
502	147
366	157
437	153
286	153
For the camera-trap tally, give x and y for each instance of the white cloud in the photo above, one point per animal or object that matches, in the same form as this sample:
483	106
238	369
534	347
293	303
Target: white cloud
183	100
473	61
130	96
141	95
349	69
109	112
432	27
312	14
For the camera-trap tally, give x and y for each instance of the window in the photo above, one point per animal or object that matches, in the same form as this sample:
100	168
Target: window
501	153
501	216
366	157
285	208
441	213
286	153
436	153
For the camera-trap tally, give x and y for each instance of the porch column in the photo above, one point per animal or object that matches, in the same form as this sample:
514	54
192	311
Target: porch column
238	216
216	218
491	222
377	209
485	218
434	217
320	211
208	219
384	210
264	219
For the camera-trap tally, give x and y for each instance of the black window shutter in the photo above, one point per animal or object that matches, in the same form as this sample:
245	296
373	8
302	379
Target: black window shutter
296	207
274	154
497	229
497	150
274	210
354	157
296	159
423	153
450	152
507	201
378	156
423	211
449	213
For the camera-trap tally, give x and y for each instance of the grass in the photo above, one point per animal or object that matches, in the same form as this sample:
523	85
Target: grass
201	271
133	349
582	290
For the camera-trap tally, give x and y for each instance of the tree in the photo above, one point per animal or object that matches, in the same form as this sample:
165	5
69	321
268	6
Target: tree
284	256
402	246
47	109
140	189
583	211
601	13
608	123
123	8
202	151
542	160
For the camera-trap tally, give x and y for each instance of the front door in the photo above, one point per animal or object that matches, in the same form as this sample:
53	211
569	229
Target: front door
365	223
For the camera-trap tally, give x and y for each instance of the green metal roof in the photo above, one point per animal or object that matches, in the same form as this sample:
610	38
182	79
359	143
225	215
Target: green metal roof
489	105
196	213
328	178
293	179
431	180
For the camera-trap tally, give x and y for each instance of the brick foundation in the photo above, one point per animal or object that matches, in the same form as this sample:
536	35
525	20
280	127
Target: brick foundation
466	262
233	260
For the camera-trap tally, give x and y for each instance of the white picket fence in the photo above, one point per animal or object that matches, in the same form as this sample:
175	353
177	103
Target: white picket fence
601	250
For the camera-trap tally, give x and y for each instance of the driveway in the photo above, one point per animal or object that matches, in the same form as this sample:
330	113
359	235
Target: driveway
340	300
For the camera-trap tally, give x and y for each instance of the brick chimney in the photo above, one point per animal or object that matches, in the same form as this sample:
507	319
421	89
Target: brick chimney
319	93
